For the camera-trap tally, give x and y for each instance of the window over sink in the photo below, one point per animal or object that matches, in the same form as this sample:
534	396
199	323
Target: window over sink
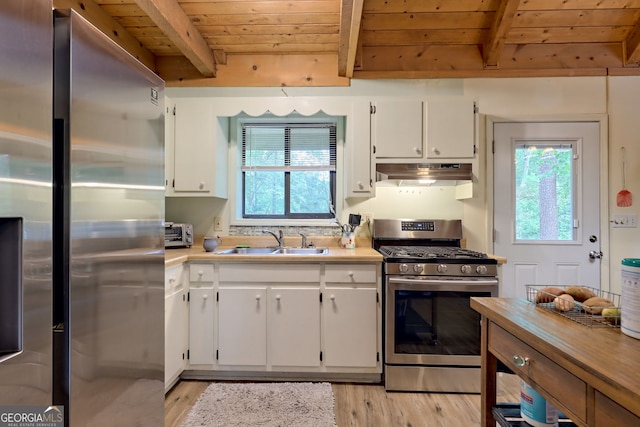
288	167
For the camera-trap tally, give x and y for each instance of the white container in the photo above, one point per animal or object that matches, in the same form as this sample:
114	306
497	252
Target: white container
348	240
630	300
535	409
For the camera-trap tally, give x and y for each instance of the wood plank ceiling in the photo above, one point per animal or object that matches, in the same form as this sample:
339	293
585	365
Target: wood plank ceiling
330	42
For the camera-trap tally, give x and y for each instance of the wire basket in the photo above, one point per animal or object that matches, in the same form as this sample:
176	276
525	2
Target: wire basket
581	313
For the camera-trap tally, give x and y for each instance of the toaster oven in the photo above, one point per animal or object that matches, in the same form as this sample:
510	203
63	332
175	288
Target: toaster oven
178	235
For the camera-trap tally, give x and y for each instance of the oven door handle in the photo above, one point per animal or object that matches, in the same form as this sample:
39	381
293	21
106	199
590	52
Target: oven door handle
431	284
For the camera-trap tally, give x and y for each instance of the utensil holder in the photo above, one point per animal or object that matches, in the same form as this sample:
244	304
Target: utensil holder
348	240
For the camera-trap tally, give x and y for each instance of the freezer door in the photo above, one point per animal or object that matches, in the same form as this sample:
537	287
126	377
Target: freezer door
25	202
113	129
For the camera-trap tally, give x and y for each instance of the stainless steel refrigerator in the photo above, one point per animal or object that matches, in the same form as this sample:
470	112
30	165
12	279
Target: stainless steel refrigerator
81	222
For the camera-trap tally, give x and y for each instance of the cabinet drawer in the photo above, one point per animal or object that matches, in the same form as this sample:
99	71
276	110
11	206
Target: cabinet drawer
351	273
548	376
609	413
201	272
173	279
270	273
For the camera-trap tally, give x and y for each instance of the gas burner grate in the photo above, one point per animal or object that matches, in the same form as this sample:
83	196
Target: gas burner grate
430	252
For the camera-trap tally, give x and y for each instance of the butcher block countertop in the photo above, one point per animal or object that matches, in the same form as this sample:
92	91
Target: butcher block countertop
363	251
591	373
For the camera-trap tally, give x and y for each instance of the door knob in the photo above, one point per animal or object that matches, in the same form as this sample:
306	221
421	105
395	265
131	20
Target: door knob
595	254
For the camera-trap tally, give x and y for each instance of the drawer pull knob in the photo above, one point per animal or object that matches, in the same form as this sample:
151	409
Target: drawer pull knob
520	361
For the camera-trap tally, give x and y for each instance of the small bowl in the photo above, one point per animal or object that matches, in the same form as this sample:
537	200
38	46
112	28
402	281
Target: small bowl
210	244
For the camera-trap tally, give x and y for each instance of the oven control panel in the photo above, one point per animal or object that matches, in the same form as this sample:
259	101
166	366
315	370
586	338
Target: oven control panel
418	226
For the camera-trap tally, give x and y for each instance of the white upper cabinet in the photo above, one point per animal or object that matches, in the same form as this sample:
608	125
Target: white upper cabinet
358	151
436	129
199	143
397	128
450	128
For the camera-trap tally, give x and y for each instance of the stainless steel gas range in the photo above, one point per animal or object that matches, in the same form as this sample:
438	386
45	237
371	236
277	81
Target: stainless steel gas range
431	335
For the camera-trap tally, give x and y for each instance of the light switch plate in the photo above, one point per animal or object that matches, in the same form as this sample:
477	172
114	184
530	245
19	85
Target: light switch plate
217	223
625	221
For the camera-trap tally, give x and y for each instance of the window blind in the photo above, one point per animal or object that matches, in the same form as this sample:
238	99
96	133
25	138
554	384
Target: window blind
290	147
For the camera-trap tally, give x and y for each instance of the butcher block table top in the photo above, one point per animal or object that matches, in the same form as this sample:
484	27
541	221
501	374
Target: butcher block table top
591	373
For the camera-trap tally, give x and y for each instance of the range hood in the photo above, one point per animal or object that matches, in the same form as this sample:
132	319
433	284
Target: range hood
429	172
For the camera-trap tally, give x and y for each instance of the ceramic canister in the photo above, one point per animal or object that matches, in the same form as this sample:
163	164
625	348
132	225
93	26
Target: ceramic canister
348	240
630	300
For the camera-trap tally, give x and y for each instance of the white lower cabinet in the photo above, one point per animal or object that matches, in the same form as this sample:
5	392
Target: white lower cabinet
350	327
201	326
295	318
294	326
175	324
351	316
242	326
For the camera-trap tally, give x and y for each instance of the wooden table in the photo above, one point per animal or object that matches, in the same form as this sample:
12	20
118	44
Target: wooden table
592	374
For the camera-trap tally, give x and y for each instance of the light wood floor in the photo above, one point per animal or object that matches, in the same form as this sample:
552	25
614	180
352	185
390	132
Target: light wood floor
363	405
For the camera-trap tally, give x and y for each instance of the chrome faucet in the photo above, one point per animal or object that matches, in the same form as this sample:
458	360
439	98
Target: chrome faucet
279	238
304	240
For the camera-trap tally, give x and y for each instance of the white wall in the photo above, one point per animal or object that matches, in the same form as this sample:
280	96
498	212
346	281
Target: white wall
504	98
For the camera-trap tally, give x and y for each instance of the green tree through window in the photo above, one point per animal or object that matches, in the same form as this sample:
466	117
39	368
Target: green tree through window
288	170
544	192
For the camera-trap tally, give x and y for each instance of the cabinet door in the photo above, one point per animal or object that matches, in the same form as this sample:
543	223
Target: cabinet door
359	157
201	327
242	326
397	129
450	128
169	135
350	327
194	145
174	342
175	324
294	326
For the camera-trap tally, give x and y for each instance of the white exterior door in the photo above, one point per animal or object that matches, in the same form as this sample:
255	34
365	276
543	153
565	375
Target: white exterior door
546	204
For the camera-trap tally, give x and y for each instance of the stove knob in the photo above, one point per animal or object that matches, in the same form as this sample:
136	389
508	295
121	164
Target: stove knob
442	268
481	269
465	269
418	268
403	268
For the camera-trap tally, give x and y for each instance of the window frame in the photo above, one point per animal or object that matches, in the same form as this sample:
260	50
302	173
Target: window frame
237	177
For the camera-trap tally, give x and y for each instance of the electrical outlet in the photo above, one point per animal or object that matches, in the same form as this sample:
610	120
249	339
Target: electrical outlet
217	223
366	218
625	221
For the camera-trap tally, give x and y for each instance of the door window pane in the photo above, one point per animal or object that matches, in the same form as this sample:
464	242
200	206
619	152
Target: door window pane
544	191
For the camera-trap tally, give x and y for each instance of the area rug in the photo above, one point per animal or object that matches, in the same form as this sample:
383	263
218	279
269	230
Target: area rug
263	405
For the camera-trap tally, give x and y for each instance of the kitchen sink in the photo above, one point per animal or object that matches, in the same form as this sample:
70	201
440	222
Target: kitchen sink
246	251
302	251
273	251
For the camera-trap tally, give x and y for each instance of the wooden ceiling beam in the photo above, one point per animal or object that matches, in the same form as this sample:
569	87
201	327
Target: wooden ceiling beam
93	13
350	18
632	47
174	22
499	31
256	70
